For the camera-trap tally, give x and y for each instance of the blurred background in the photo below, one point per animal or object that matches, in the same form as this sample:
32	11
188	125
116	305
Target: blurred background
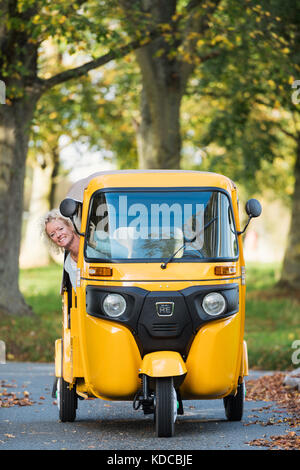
210	85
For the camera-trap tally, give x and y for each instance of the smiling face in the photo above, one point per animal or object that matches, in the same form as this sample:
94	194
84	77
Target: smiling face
60	233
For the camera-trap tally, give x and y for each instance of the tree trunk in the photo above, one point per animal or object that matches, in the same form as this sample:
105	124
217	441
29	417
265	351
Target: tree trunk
14	127
290	275
166	65
158	137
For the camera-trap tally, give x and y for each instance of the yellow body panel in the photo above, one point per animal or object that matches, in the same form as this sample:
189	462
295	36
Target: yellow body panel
159	179
76	357
163	364
155	278
213	362
103	356
111	358
58	358
67	371
245	371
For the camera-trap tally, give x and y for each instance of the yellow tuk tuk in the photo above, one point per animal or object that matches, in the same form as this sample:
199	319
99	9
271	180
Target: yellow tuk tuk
158	313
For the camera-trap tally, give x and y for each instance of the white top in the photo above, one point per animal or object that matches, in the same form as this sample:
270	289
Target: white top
71	268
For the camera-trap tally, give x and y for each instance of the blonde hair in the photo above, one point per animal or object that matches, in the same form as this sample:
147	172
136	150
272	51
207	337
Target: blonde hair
54	214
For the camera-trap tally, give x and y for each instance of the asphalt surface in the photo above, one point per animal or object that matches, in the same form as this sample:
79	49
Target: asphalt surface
106	425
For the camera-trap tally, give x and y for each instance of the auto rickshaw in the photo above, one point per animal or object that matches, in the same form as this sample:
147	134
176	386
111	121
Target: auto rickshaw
157	316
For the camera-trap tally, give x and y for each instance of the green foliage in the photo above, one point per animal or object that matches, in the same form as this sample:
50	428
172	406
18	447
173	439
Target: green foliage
98	111
244	56
28	24
245	117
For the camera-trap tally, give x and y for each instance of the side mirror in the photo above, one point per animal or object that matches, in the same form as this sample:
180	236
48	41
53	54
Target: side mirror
68	207
253	209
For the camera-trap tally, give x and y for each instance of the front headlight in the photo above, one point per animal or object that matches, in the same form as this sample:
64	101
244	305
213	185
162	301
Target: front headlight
114	305
214	304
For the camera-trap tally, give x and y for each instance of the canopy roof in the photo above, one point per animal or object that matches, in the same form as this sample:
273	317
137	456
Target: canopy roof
76	191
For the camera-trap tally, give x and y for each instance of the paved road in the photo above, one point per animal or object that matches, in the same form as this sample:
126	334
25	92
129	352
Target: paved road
115	425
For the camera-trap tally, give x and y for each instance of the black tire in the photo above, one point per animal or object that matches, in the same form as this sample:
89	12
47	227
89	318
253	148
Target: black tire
67	401
234	405
164	407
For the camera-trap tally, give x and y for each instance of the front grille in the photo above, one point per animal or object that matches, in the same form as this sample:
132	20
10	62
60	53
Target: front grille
165	327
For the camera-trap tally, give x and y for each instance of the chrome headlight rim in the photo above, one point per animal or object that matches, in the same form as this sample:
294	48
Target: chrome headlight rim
108	308
209	302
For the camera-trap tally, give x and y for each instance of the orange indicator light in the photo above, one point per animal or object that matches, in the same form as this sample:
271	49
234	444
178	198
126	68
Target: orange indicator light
225	270
100	271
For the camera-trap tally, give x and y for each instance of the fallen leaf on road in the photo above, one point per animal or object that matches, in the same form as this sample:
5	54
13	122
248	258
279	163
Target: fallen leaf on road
285	442
6	385
271	388
9	399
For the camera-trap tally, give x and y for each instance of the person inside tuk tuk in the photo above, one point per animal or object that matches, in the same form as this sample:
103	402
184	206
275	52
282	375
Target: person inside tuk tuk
60	233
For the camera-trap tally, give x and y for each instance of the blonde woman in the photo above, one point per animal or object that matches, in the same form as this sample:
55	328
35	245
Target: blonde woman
61	234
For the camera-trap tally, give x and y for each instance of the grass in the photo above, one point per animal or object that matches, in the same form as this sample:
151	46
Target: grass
272	318
31	338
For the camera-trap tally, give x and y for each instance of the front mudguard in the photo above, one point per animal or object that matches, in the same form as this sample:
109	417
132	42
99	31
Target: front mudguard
164	364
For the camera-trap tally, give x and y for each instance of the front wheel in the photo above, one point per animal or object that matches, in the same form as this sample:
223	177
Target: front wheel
66	400
234	405
165	407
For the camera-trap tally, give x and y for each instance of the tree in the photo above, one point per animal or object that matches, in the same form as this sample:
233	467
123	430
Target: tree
166	66
24	26
256	121
289	31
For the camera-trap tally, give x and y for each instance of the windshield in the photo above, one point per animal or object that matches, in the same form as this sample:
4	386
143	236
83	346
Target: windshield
154	225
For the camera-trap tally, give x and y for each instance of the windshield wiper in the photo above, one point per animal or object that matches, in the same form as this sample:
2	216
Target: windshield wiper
164	265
